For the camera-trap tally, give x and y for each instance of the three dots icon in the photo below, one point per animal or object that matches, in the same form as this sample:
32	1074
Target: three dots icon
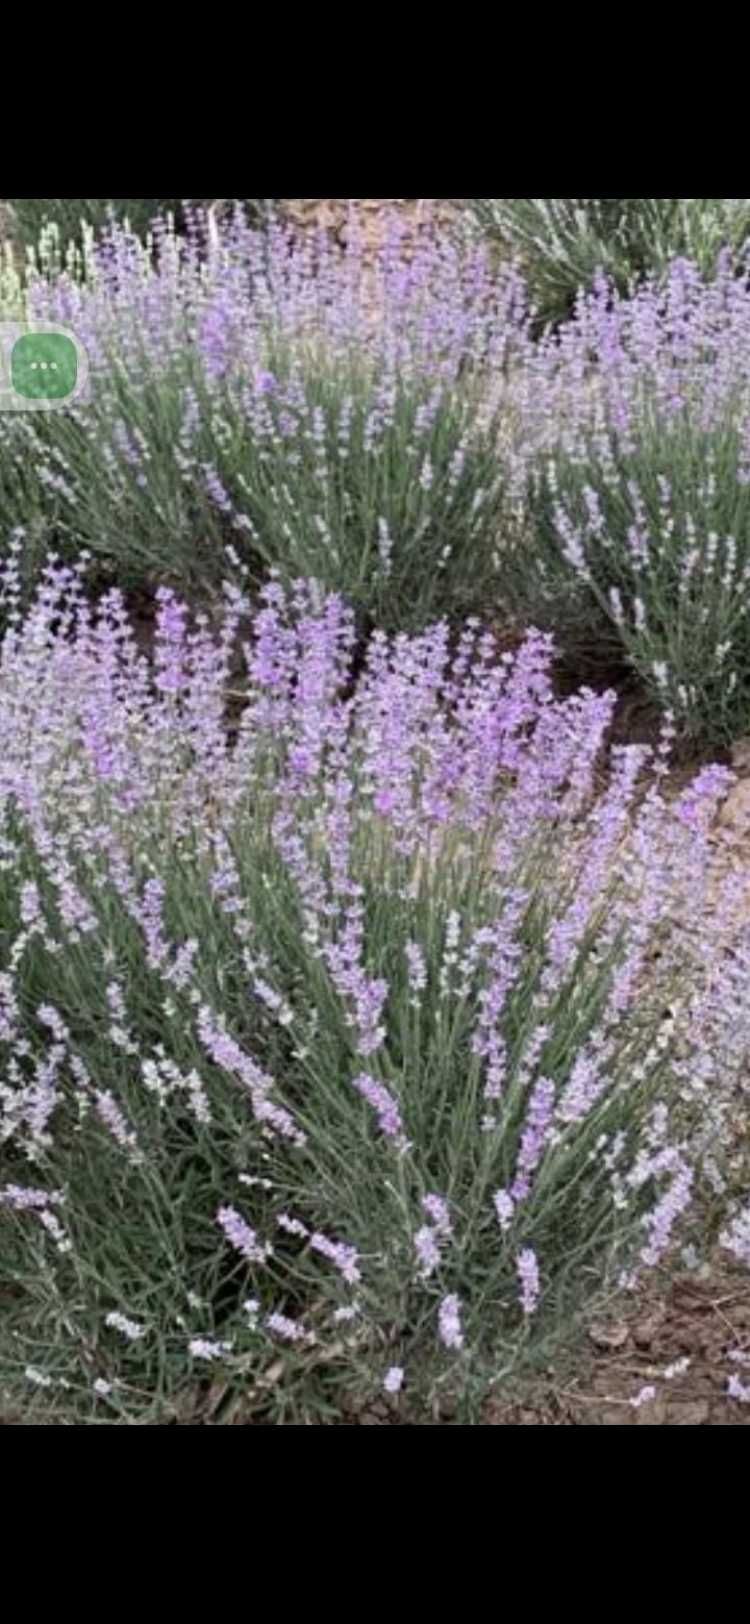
44	366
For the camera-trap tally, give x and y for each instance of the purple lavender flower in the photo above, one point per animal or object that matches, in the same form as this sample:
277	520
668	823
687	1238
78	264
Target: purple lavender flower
504	1207
528	1274
241	1236
113	1119
738	1389
288	1329
417	968
661	1220
21	1199
201	1347
427	1248
736	1236
534	1137
344	1257
449	1323
383	1103
644	1396
437	1209
130	1329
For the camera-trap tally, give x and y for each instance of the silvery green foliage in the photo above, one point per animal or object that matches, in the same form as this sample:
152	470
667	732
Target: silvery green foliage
562	242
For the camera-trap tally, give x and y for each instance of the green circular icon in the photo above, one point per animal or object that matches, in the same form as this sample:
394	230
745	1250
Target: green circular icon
44	366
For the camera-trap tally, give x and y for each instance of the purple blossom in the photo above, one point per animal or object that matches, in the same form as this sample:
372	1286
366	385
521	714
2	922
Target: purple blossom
344	1257
528	1274
660	1222
736	1236
644	1396
437	1209
427	1248
130	1329
20	1199
449	1323
417	967
201	1347
288	1329
241	1236
504	1207
534	1136
383	1103
113	1119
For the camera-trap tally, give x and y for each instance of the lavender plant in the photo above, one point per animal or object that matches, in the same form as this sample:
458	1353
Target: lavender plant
329	1058
254	410
637	549
71	217
562	243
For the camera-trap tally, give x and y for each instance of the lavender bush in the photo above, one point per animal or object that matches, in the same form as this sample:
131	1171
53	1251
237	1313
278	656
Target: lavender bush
563	243
349	1052
637	548
250	410
71	217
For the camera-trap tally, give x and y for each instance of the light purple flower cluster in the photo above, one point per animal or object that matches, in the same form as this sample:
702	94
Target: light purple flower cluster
534	1136
130	1329
383	1103
633	428
201	1347
21	1200
242	1237
736	1237
528	1274
449	1323
393	1380
427	1248
287	1329
345	1258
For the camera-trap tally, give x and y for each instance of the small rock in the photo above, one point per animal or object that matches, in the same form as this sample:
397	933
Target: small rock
741	754
735	812
648	1328
609	1336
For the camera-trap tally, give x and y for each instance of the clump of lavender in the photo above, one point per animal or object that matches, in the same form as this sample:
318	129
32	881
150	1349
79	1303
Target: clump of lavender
345	1035
638	492
562	243
245	411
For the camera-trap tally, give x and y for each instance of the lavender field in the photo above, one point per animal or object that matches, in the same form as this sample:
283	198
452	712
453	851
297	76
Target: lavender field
374	872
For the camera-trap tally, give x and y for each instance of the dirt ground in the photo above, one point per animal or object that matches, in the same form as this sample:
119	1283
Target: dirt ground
332	214
683	1339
